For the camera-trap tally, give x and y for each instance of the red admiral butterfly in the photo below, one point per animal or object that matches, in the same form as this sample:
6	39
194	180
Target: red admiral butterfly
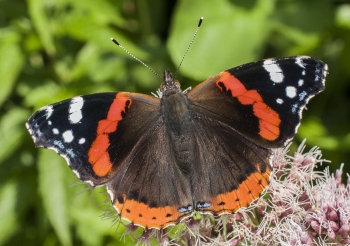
206	150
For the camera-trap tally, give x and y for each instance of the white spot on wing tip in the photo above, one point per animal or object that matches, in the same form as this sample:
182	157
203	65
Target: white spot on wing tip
82	140
55	131
75	114
279	100
302	95
276	74
68	136
300	63
291	91
49	111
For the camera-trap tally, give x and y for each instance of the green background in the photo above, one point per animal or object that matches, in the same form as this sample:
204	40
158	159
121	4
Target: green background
55	49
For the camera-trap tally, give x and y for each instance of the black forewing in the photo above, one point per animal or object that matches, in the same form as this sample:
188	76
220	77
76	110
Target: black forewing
305	74
49	123
214	103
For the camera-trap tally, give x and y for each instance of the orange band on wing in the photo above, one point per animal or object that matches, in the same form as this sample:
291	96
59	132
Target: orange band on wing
140	214
98	153
269	120
247	191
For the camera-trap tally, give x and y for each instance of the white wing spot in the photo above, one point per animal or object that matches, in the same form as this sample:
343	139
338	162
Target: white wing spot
299	61
294	108
75	114
82	140
49	122
276	74
279	100
300	82
55	131
302	95
68	136
49	111
291	91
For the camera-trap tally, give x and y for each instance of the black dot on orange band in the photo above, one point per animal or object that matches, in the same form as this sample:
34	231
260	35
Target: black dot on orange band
259	181
168	215
140	215
249	192
237	200
127	210
154	218
222	203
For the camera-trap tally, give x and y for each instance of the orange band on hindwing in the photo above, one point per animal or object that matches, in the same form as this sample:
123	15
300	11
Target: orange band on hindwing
249	190
98	153
269	120
140	214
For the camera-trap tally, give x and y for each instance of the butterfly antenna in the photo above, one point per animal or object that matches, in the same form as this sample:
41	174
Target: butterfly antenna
137	59
194	35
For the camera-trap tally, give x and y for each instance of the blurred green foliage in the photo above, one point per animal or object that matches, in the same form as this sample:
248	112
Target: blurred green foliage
55	49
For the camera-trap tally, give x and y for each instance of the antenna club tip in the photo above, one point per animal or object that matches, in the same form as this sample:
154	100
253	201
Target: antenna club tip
200	21
115	41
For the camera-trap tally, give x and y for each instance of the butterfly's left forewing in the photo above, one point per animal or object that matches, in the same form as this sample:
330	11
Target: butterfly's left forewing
79	130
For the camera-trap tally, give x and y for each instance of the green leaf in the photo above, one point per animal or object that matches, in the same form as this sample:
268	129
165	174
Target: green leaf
42	24
11	62
54	192
343	16
316	134
8	200
105	13
42	95
310	16
12	130
230	35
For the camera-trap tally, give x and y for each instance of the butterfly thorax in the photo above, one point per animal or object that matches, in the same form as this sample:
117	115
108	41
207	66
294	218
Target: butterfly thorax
177	119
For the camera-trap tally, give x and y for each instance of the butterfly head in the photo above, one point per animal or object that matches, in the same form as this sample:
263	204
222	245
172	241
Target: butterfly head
170	85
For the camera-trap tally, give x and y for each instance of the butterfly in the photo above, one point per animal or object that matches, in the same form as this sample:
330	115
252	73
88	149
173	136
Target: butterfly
206	150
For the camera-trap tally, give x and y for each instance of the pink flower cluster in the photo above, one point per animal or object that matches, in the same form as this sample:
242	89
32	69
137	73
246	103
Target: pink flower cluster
301	206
